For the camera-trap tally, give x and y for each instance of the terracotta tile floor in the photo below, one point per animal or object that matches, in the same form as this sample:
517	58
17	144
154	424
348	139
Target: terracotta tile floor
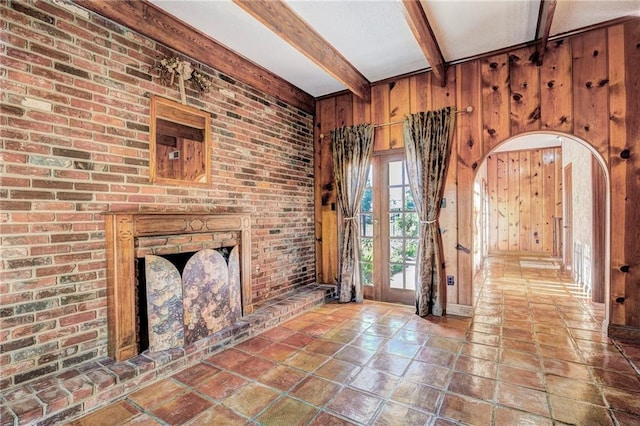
532	354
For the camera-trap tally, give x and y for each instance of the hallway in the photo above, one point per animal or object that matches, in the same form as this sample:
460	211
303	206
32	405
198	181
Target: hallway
532	354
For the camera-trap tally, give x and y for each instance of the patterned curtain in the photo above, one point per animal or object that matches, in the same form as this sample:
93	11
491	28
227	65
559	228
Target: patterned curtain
352	149
427	143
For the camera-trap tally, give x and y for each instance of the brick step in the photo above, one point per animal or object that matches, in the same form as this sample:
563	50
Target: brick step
64	396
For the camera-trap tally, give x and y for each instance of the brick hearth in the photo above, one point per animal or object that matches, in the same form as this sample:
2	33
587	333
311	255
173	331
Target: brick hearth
67	395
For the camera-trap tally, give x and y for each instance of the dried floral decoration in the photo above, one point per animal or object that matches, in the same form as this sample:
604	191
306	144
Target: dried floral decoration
172	69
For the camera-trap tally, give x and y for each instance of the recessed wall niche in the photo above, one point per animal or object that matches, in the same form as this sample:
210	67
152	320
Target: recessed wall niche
179	143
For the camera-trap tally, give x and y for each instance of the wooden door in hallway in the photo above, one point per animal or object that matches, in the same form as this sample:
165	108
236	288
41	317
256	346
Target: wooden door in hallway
389	232
568	218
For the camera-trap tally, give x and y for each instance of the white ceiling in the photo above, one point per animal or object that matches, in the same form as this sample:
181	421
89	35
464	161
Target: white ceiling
374	36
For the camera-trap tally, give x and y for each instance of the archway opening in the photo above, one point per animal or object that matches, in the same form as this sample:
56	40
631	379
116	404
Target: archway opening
545	193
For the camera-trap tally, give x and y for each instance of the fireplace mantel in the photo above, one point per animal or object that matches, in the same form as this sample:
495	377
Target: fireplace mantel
121	231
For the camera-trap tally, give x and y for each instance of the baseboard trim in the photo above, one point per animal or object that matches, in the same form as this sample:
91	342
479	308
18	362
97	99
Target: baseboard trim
460	310
623	332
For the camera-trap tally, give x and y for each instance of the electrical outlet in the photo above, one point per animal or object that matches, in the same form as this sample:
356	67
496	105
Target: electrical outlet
174	155
450	280
443	203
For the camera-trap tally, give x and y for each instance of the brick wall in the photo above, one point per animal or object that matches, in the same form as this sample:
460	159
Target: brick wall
75	132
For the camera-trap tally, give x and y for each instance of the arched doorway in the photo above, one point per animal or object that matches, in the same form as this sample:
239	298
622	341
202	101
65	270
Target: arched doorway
597	252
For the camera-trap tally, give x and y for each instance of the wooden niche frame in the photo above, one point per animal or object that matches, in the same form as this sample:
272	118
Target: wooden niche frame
179	144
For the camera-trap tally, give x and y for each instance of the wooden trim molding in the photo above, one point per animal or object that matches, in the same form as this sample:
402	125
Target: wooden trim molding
286	24
153	22
121	231
460	310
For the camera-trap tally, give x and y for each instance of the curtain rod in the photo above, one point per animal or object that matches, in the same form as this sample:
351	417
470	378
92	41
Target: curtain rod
467	110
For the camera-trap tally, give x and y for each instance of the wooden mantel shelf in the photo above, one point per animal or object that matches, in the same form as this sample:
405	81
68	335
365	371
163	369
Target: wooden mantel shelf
121	230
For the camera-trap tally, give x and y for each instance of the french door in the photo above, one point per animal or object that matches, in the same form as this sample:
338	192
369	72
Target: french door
389	232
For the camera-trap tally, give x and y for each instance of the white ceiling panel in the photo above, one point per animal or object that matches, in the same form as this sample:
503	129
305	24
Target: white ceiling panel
467	28
372	35
232	27
574	14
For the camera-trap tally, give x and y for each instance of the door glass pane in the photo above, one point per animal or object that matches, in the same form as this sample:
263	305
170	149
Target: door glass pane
395	199
367	261
366	233
396	169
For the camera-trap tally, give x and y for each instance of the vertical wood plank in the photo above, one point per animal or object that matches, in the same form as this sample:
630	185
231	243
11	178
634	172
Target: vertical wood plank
525	201
419	91
598	248
591	89
495	100
549	197
557	155
536	197
514	200
344	110
361	110
492	184
524	87
442	97
503	201
379	115
329	213
317	188
556	108
469	142
399	105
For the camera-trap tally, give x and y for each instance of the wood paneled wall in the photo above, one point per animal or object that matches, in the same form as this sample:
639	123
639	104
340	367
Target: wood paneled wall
588	86
524	196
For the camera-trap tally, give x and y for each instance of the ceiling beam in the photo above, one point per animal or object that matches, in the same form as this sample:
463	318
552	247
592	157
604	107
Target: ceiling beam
545	18
151	21
419	24
288	25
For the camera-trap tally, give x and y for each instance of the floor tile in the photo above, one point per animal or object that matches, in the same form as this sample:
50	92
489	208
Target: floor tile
119	412
525	399
466	410
278	352
389	363
354	355
251	399
282	377
417	395
157	393
473	386
510	416
578	413
326	419
221	385
253	367
306	361
429	374
287	411
355	405
195	374
217	415
375	382
393	413
574	389
315	390
338	371
181	409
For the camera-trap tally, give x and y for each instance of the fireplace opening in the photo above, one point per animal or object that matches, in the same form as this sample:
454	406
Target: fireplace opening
230	298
